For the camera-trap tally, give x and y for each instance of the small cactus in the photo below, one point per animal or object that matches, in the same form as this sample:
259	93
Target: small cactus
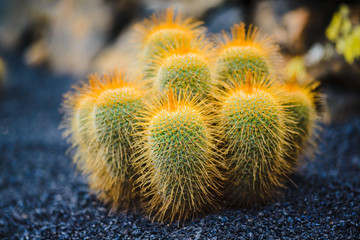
243	51
300	98
115	110
78	122
178	162
161	30
104	123
186	64
254	122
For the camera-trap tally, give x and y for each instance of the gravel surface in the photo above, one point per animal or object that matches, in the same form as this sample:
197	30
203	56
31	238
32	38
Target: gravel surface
42	196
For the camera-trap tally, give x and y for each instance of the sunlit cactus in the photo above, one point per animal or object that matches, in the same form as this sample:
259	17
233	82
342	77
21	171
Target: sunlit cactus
254	121
78	124
218	126
186	64
246	50
301	99
80	131
117	104
161	30
102	128
178	163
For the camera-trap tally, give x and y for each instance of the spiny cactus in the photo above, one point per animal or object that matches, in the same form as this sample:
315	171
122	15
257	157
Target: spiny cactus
178	163
117	104
301	98
185	64
78	122
80	130
104	122
254	122
246	50
161	30
218	124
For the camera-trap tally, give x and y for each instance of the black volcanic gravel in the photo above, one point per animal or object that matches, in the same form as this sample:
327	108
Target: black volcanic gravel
41	196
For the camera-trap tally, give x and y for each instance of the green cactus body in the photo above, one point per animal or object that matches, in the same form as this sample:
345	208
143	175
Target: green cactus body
184	71
234	62
181	128
160	32
100	120
78	124
216	126
180	169
301	106
254	126
164	39
115	112
82	131
83	126
246	50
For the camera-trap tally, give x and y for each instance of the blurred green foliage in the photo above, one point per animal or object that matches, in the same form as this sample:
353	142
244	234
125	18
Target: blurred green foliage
346	36
296	66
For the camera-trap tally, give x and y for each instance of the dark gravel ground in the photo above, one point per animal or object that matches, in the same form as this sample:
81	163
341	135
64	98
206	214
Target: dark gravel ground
43	197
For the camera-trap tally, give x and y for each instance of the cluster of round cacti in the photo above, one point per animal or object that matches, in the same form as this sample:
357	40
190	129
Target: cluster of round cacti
211	123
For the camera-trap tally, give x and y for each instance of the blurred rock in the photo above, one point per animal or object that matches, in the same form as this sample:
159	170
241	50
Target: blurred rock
23	21
64	35
122	54
37	53
315	54
285	23
223	18
78	36
291	31
323	62
264	16
78	31
296	24
194	8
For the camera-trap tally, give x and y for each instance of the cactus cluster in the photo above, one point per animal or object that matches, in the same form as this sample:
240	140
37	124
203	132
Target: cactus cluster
211	123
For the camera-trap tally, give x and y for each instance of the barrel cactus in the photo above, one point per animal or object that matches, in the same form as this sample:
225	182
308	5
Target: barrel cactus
162	30
185	65
301	99
246	50
254	123
211	124
178	162
78	122
103	128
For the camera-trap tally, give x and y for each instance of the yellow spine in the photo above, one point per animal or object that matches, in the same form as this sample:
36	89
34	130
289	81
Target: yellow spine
254	119
161	30
178	163
246	50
